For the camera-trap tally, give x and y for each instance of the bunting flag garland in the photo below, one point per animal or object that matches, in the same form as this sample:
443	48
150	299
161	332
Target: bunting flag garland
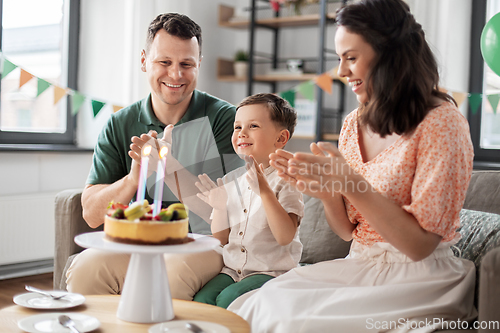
474	101
24	77
42	85
77	100
289	95
494	99
7	67
59	92
324	81
96	107
306	89
459	97
117	108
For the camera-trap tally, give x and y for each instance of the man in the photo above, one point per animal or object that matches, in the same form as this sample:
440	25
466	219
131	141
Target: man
202	134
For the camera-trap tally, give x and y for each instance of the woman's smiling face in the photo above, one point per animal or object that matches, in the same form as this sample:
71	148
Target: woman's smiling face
356	61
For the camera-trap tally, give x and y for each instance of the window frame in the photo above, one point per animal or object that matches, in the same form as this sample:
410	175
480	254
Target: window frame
483	158
10	139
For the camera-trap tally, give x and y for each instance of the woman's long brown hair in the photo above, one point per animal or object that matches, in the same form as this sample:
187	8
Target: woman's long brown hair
403	82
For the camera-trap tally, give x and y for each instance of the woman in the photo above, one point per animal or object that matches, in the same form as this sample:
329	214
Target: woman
395	186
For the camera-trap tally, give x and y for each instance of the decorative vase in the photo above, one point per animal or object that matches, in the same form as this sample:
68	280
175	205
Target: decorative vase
240	68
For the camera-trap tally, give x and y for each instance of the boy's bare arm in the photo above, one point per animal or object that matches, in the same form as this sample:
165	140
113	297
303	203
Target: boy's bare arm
283	225
220	226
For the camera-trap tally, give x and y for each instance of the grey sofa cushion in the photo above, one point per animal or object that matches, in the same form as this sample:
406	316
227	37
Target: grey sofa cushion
319	241
484	191
480	234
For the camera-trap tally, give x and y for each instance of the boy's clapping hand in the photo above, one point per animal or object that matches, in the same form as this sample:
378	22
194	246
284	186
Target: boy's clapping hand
255	175
213	194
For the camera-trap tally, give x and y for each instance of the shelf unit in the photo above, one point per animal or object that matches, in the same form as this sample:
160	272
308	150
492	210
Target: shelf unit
225	71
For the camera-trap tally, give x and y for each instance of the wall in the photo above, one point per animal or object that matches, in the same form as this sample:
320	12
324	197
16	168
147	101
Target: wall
29	182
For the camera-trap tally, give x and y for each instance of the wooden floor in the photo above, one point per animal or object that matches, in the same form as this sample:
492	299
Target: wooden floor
11	287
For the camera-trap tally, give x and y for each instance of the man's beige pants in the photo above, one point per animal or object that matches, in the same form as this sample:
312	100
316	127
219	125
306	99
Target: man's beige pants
95	272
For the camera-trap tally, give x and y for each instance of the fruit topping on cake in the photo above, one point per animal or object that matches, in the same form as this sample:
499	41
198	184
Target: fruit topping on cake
136	225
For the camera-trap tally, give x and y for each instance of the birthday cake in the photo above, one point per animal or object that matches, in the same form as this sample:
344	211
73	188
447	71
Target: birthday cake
135	224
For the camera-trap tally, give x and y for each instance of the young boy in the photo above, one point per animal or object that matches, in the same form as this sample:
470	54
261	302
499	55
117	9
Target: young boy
255	213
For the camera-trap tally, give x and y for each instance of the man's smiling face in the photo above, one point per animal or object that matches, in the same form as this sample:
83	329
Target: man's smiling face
172	66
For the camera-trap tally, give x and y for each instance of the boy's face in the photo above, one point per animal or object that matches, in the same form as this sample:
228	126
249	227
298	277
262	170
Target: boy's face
256	134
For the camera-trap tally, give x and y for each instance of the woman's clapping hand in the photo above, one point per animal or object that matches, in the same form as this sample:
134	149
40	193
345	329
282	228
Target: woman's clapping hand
319	174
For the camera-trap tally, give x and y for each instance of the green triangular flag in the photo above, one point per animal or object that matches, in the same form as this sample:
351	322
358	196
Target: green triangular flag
42	86
289	95
307	90
7	67
474	101
96	107
76	102
494	99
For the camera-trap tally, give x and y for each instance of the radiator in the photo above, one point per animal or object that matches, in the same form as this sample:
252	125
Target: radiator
26	228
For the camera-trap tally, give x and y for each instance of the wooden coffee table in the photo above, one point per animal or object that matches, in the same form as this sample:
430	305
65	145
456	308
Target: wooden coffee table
104	308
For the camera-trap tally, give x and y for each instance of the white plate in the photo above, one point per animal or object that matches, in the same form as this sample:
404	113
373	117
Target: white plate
179	326
37	301
97	240
49	323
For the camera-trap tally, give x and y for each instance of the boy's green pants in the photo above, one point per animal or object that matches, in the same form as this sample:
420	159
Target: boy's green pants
222	290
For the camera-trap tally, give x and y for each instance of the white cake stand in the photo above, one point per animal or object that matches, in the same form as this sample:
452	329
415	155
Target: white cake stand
146	294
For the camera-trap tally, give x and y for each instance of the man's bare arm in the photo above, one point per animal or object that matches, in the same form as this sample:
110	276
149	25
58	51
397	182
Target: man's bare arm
96	198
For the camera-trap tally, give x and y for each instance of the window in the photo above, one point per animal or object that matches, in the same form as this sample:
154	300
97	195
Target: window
485	123
40	37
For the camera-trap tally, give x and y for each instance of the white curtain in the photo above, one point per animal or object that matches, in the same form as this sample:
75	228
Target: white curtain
447	25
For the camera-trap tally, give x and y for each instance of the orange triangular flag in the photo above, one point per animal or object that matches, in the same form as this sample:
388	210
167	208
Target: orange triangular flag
117	108
24	77
59	93
324	81
459	97
334	73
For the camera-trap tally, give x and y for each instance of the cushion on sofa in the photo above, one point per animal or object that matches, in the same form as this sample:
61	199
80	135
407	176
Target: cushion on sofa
480	234
319	241
484	191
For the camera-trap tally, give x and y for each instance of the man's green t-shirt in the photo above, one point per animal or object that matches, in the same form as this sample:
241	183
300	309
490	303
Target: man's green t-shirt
201	142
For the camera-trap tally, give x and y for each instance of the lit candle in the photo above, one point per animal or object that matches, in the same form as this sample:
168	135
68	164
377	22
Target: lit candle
160	176
141	189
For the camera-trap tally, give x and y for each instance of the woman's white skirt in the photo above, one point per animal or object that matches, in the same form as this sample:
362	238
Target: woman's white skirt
375	289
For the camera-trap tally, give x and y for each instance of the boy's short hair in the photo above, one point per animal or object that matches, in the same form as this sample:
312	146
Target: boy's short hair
175	24
280	110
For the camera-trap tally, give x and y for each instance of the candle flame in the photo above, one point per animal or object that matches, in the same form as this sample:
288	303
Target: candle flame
146	150
163	152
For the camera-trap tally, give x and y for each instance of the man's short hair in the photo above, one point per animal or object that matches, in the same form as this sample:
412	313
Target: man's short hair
281	112
175	24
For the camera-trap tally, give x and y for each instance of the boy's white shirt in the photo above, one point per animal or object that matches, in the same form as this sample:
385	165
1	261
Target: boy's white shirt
252	248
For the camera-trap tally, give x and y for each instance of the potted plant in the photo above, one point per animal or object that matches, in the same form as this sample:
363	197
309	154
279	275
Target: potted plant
241	63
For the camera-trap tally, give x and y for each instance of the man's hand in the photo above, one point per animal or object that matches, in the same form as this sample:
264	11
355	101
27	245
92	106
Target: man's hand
135	153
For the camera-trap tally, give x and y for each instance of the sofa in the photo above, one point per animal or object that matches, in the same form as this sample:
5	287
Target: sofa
479	226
